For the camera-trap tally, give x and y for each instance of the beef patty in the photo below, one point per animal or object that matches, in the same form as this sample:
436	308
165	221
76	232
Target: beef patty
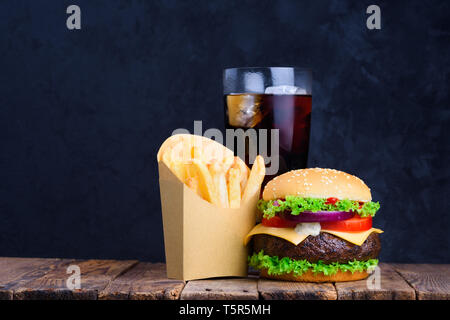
325	247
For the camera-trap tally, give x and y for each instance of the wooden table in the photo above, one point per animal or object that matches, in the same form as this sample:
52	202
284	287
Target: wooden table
29	278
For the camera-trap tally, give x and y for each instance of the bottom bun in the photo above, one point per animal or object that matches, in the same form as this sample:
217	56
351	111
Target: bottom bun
310	276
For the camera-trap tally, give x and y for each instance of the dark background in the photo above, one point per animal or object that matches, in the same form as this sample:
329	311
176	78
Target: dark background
84	112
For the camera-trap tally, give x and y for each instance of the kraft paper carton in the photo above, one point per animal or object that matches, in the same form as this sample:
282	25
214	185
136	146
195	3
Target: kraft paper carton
202	240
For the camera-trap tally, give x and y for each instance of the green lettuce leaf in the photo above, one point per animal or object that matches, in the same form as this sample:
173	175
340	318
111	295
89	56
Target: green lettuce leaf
277	266
298	204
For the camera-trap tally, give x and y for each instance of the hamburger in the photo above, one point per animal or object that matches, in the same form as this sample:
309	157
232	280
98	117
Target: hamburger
316	227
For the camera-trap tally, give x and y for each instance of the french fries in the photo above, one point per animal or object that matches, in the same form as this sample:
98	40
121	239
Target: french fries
220	183
234	188
206	189
193	184
256	178
243	172
211	170
176	166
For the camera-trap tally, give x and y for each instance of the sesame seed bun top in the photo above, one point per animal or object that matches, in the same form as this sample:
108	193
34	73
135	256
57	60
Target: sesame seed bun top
317	183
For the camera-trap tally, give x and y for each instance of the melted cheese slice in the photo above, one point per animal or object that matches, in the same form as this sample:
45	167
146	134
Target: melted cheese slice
290	235
287	234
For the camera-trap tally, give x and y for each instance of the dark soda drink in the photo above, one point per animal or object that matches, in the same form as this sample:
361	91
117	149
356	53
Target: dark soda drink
289	113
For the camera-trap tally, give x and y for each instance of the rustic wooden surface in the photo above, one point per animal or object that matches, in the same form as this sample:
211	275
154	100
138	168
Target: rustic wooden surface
14	272
430	281
95	276
284	290
221	289
26	278
391	287
146	281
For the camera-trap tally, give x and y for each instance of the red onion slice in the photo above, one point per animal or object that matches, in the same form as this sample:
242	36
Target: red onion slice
318	216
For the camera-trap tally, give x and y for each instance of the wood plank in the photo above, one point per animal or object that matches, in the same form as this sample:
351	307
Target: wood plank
430	281
28	278
221	289
145	281
95	276
285	290
392	287
16	271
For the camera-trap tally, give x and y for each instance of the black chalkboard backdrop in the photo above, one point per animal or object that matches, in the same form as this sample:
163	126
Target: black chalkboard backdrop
83	112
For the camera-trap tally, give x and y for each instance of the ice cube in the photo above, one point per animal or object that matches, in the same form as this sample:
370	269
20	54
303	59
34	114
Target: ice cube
254	82
285	90
244	110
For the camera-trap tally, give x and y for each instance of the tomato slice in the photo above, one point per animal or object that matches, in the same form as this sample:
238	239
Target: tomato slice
355	224
332	201
278	222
